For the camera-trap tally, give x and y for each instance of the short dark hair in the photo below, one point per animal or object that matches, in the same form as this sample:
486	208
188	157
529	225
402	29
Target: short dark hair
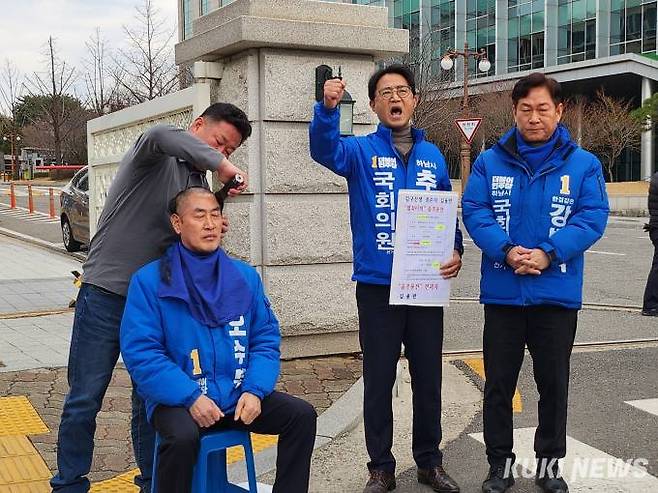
396	68
175	202
537	79
229	113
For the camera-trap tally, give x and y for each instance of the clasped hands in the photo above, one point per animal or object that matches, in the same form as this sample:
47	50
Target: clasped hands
206	413
526	261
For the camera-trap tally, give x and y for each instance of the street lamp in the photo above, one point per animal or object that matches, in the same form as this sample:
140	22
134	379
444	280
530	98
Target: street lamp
346	104
447	63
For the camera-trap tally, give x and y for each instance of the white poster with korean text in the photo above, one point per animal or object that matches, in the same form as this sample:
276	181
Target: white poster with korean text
424	241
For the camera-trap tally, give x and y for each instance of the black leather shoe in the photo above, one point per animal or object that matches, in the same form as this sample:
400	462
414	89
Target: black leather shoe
548	477
380	482
438	479
498	480
651	312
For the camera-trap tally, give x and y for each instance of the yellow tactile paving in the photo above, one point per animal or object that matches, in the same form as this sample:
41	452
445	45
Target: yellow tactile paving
124	482
18	417
22	469
114	485
477	365
31	487
128	476
258	443
14	446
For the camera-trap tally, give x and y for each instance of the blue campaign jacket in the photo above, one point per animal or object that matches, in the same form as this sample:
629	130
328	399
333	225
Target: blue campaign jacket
562	208
173	359
375	172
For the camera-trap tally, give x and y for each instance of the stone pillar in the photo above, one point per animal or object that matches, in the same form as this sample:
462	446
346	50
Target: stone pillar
294	222
646	150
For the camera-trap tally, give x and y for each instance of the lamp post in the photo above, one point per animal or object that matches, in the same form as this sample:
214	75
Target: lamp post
447	62
13	139
346	104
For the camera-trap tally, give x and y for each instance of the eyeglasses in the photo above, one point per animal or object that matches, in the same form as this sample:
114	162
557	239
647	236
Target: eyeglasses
387	92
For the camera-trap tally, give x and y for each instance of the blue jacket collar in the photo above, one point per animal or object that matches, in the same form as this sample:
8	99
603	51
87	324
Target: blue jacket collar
235	296
564	146
387	134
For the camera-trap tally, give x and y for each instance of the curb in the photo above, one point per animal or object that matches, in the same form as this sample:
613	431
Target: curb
42	243
343	416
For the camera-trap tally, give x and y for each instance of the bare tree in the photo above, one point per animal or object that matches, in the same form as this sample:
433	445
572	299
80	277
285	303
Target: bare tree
102	87
55	105
11	88
145	69
614	129
495	109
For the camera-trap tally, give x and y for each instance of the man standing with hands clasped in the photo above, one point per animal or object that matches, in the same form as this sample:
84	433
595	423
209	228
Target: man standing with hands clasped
533	204
376	167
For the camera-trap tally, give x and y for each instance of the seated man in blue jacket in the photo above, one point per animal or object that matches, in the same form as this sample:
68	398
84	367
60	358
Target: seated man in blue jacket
533	204
376	167
201	343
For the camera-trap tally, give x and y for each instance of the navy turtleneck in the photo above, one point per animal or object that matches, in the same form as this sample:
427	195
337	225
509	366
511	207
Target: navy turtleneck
194	278
533	154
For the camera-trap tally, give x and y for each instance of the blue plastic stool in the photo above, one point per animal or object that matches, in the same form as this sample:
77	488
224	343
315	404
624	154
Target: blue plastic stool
209	474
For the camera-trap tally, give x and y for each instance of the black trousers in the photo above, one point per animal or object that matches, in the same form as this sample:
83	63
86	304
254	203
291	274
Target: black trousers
549	333
651	290
382	330
293	419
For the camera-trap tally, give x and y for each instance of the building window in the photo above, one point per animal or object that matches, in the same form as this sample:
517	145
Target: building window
525	39
481	33
406	15
442	23
204	7
576	31
187	19
632	26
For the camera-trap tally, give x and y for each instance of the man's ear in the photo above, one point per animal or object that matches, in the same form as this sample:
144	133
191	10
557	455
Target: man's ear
197	124
175	223
560	111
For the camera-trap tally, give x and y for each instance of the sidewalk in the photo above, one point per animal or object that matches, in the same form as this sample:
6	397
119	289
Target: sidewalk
320	381
34	279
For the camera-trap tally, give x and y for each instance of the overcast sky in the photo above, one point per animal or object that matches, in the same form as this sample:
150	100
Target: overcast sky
26	24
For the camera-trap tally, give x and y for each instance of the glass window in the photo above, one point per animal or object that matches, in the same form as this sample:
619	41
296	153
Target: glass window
187	19
578	37
579	10
525	50
538	50
616	50
634	23
564	40
525	25
564	14
634	47
590	39
617	27
83	184
538	21
513	52
513	28
591	9
649	28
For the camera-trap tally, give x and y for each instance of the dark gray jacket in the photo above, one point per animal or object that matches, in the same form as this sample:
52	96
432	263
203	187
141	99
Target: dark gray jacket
134	227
